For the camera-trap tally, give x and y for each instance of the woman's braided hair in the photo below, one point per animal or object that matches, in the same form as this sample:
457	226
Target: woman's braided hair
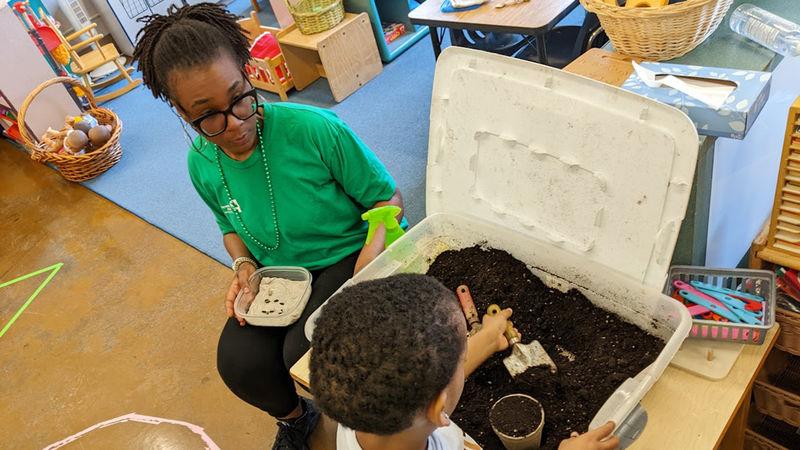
185	37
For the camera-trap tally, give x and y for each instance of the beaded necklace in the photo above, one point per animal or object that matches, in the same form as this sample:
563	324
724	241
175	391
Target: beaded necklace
236	211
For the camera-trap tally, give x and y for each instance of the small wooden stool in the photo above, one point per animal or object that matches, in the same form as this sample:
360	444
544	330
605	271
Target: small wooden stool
346	55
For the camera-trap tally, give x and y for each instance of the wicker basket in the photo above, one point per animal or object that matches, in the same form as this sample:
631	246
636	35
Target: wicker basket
659	33
777	388
789	337
316	16
75	167
755	441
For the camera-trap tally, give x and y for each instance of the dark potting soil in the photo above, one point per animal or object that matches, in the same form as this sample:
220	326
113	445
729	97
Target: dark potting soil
607	349
516	416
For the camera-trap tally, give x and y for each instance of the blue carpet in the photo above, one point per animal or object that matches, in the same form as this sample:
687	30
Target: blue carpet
390	113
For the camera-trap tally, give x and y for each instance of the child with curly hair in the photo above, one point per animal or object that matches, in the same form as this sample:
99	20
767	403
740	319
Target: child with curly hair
388	362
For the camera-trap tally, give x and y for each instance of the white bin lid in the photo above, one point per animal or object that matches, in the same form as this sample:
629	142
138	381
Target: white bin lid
587	166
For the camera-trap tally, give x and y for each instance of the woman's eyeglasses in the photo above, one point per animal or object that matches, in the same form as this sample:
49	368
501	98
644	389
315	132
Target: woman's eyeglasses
215	123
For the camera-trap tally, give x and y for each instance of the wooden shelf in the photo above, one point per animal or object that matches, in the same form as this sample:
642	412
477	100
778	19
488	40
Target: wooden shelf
293	36
346	55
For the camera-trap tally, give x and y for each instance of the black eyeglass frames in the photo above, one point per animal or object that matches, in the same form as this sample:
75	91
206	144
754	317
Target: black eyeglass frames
215	123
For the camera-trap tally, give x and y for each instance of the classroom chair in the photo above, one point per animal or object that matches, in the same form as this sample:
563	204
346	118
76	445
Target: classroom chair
84	62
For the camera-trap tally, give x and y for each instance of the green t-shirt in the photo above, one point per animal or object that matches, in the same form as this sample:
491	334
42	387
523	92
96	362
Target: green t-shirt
323	178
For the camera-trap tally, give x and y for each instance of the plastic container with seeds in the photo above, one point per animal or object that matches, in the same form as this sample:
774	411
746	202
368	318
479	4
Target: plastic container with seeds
282	306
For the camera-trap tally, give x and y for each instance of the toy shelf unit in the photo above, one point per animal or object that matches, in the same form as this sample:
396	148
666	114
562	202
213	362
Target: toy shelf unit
346	55
389	11
783	239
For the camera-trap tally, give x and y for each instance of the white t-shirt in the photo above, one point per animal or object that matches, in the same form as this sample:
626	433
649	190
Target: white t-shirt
445	438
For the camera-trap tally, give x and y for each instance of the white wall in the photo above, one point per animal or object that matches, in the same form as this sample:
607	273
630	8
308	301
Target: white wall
745	173
30	70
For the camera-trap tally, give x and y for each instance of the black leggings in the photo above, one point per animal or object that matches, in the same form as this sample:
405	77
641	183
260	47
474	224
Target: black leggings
254	361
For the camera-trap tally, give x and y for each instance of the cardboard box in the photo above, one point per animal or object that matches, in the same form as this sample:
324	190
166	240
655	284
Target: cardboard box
733	119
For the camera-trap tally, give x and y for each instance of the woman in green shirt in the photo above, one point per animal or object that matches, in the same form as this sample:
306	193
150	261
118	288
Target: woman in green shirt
287	185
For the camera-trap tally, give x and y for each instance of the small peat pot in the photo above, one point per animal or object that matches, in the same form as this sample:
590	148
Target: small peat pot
518	420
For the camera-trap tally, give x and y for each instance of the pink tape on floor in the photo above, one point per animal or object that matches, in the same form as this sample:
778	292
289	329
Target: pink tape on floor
133	417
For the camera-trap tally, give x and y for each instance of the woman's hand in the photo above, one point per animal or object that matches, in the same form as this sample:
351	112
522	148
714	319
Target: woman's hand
372	250
597	439
239	282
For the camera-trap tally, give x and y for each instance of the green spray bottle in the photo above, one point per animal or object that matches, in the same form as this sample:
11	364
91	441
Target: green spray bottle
386	215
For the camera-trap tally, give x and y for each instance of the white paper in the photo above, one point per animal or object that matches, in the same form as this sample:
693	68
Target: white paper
712	94
465	3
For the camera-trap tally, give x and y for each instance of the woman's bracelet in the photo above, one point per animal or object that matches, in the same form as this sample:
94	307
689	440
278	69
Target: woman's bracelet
241	260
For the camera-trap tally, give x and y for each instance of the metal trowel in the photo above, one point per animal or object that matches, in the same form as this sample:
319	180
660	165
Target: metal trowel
523	356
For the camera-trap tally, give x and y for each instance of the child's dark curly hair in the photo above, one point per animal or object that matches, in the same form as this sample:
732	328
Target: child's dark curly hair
187	36
382	350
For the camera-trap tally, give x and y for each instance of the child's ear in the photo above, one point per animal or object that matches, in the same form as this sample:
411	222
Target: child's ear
436	412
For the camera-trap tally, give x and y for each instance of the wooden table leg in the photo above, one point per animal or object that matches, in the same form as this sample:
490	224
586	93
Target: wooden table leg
734	437
437	44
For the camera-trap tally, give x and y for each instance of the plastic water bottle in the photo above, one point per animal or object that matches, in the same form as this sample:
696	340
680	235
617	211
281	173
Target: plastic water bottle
771	31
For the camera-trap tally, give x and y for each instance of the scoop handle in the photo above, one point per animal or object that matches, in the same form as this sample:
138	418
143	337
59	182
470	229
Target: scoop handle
510	333
468	306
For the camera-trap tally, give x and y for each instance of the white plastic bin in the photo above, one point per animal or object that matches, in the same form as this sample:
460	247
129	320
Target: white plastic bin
585	183
646	307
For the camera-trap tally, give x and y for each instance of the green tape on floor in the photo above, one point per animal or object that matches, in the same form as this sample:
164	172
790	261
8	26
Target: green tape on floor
53	271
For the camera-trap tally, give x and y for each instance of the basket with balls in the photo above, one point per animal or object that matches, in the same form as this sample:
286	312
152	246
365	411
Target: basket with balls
86	146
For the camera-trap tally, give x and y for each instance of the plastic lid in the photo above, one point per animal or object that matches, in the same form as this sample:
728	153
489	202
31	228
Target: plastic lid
587	166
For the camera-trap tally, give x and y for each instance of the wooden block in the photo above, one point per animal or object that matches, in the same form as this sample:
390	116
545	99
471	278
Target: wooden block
302	64
350	57
604	66
707	358
300	371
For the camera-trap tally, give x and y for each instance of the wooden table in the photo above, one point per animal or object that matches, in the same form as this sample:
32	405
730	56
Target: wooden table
684	411
533	18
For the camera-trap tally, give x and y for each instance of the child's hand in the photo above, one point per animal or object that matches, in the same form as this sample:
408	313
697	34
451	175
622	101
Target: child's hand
495	327
592	440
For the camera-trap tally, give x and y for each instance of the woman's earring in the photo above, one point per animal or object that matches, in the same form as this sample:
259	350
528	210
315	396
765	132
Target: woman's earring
186	135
